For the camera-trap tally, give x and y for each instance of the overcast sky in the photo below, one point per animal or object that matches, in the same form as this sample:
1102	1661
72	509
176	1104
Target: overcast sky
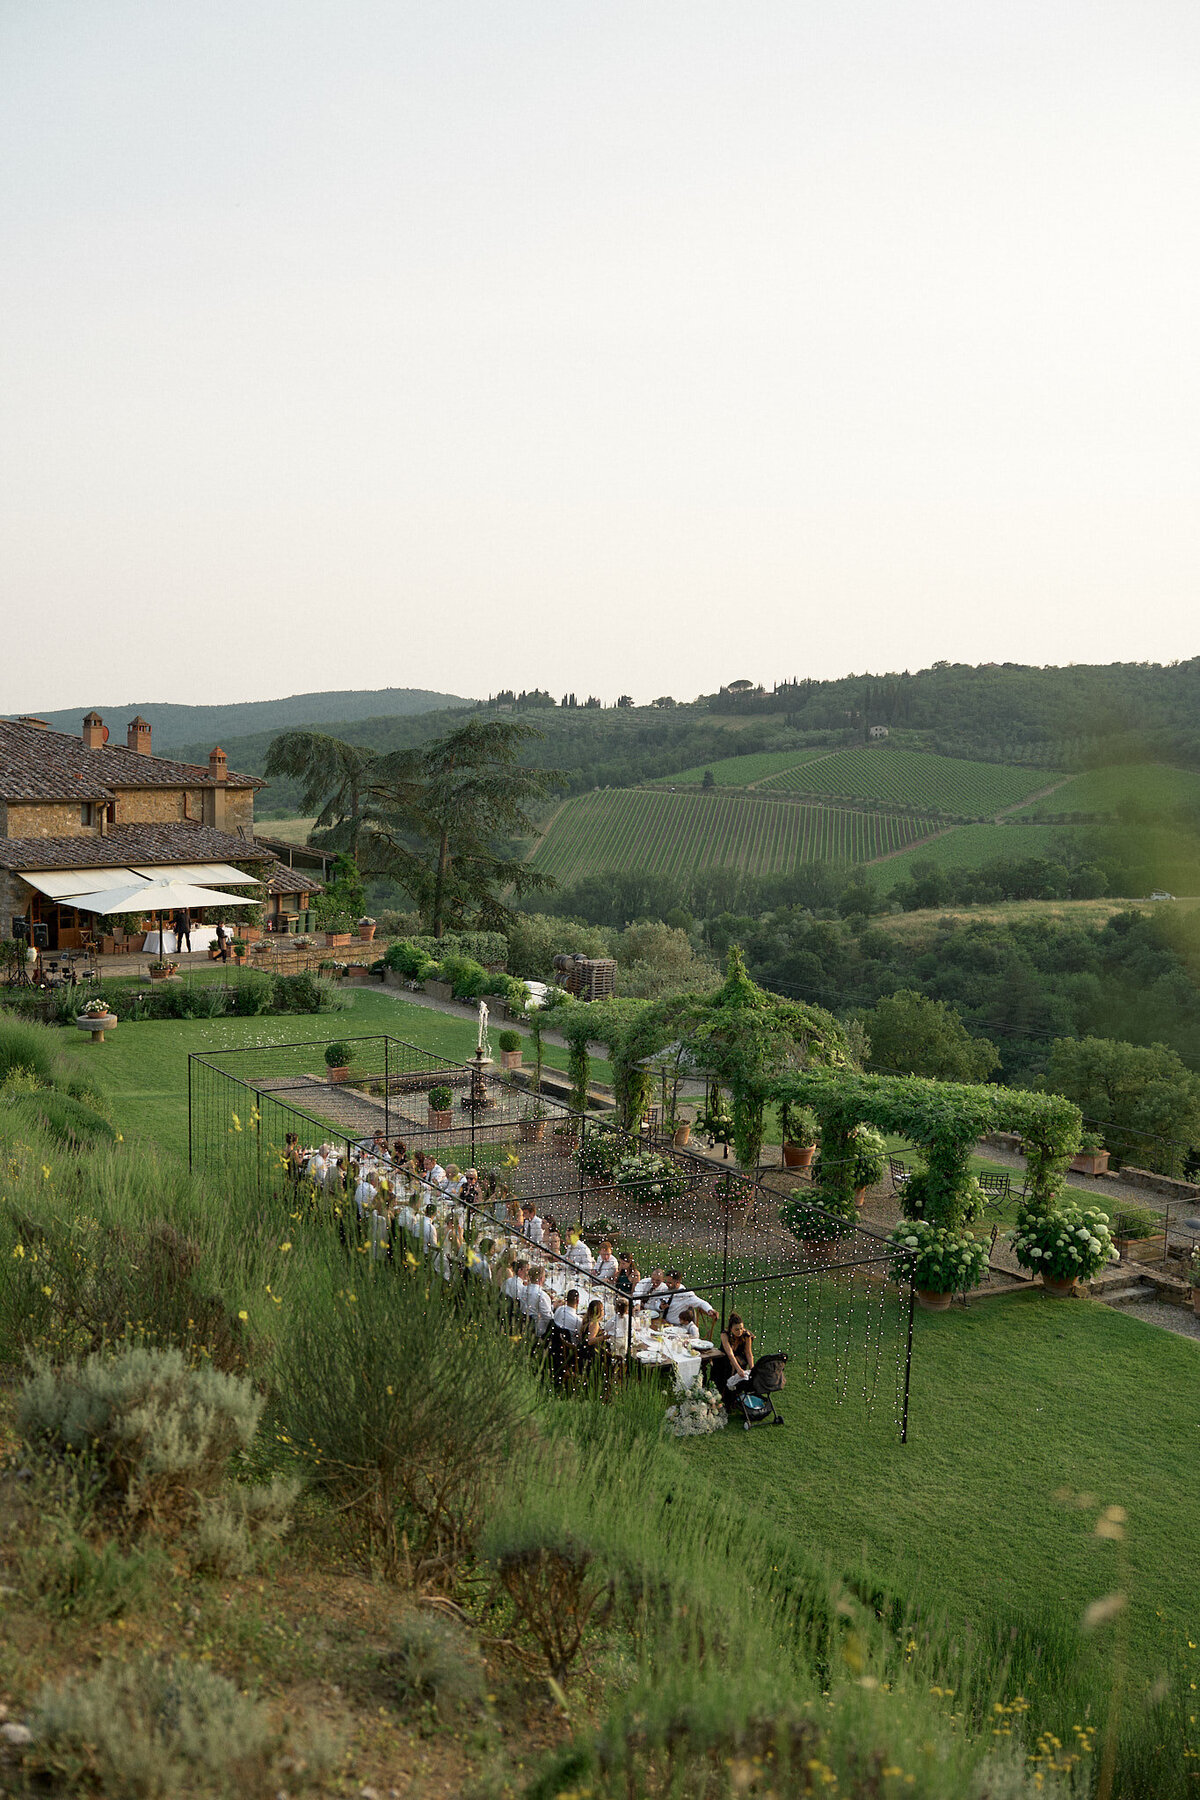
627	347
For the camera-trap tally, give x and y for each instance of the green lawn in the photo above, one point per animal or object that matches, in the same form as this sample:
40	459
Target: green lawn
144	1066
1013	1401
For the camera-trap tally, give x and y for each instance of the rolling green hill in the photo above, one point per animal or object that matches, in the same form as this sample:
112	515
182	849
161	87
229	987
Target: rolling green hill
200	727
682	833
743	771
911	777
1147	790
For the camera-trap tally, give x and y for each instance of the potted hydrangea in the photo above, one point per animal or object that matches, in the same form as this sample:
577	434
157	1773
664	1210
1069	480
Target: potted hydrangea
814	1226
939	1262
697	1412
1070	1244
441	1104
648	1178
597	1156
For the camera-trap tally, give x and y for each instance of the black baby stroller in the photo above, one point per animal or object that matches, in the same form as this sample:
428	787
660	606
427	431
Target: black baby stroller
752	1398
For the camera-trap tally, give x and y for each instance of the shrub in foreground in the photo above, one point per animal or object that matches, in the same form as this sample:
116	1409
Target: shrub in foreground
158	1729
160	1433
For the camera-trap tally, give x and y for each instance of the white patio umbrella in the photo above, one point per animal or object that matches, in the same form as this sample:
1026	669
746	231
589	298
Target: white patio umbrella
157	897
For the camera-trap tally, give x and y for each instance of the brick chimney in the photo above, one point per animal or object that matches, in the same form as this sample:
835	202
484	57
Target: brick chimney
137	735
95	734
214	799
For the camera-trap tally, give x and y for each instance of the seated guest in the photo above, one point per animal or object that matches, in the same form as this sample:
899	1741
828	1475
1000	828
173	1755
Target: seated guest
649	1289
514	1216
399	1153
366	1193
628	1274
567	1316
420	1166
435	1175
606	1263
579	1254
471	1194
514	1287
687	1319
479	1260
681	1299
535	1302
736	1360
531	1224
591	1330
616	1329
454	1180
551	1240
427	1228
318	1165
293	1156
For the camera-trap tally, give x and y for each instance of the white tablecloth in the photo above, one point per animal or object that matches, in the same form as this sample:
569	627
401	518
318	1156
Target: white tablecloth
202	937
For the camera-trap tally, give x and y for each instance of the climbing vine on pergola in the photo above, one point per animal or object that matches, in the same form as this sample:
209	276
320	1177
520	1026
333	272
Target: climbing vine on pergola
945	1120
737	1033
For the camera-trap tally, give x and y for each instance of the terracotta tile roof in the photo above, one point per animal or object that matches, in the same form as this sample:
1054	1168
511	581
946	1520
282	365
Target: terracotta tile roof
282	880
126	844
52	765
277	843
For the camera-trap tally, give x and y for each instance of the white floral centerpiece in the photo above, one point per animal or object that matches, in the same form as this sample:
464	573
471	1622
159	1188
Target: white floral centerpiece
96	1009
697	1412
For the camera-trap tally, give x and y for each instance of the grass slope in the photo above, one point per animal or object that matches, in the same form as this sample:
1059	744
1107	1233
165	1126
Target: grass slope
741	771
644	829
913	777
1151	789
968	847
1012	1401
143	1066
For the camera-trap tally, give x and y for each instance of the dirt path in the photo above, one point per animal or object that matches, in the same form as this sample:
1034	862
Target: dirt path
1020	805
905	848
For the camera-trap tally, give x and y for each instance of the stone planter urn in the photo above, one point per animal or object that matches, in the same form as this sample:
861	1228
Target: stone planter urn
366	930
438	1120
1059	1290
510	1059
97	1024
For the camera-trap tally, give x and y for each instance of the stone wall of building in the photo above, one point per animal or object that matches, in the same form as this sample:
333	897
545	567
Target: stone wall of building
47	819
15	896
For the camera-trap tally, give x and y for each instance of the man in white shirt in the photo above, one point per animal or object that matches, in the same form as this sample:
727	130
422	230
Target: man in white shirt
514	1287
579	1254
681	1299
436	1177
567	1317
606	1263
531	1224
318	1165
649	1288
427	1230
535	1303
365	1192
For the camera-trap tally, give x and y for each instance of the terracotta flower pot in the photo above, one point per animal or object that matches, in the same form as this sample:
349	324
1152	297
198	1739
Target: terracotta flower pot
439	1121
337	1076
1090	1162
931	1302
366	933
798	1156
818	1252
682	1134
532	1131
860	1197
1059	1290
510	1059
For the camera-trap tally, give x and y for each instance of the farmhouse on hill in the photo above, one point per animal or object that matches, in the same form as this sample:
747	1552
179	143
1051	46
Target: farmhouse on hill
80	815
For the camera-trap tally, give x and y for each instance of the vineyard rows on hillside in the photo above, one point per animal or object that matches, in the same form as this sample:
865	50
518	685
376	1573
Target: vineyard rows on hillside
912	777
741	771
639	828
